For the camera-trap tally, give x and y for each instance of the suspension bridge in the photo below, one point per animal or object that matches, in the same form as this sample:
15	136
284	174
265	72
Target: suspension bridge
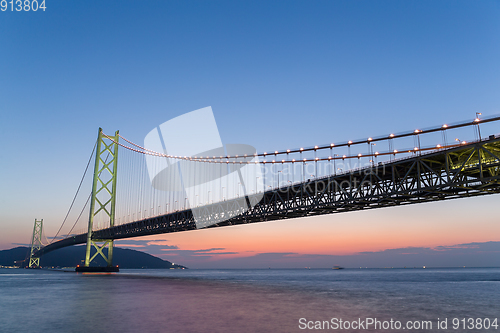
137	191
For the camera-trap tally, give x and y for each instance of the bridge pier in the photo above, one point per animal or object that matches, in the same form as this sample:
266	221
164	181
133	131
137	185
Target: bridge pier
83	269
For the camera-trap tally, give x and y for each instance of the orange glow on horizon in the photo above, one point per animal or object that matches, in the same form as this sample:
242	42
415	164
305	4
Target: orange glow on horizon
422	225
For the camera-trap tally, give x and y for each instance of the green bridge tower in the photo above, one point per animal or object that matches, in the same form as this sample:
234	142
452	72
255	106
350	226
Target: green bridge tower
102	204
36	244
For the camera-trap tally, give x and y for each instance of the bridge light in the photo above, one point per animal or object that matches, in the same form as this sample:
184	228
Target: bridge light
265	153
445	126
349	142
317	158
417	131
395	151
370	139
476	120
392	135
416	148
463	142
344	156
305	159
288	150
376	153
329	157
275	151
293	160
315	147
359	155
274	161
438	146
282	161
332	144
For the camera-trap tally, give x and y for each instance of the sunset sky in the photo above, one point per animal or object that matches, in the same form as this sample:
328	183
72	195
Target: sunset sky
278	75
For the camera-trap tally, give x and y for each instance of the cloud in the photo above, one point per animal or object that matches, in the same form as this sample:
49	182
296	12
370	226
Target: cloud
158	242
486	254
152	247
129	245
203	252
486	247
492	247
21	244
212	249
400	251
470	254
162	248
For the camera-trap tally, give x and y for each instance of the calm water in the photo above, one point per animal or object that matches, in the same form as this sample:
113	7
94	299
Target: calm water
241	300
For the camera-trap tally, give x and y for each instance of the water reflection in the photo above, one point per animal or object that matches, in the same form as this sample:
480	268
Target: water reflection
237	300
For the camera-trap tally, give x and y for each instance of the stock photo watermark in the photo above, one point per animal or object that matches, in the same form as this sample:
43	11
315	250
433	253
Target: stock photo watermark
199	170
394	324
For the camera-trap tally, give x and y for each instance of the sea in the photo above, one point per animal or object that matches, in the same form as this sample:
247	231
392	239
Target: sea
238	300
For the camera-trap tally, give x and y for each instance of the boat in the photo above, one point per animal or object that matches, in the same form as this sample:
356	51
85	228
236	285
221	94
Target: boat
337	267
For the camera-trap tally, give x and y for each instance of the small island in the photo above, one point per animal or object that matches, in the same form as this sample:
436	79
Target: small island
72	256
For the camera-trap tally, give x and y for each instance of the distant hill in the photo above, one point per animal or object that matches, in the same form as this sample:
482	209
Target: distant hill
73	255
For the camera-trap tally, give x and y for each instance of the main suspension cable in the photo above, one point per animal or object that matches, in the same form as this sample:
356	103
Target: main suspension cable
370	140
78	218
76	194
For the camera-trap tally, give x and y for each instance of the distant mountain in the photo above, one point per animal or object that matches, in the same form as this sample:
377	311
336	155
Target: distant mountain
9	257
73	255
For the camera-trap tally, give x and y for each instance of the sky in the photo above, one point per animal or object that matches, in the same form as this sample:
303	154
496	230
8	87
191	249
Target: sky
278	75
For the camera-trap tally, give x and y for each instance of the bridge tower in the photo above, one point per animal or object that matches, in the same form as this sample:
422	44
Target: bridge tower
102	204
36	244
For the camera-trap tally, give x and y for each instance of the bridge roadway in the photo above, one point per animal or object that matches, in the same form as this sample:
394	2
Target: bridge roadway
463	171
